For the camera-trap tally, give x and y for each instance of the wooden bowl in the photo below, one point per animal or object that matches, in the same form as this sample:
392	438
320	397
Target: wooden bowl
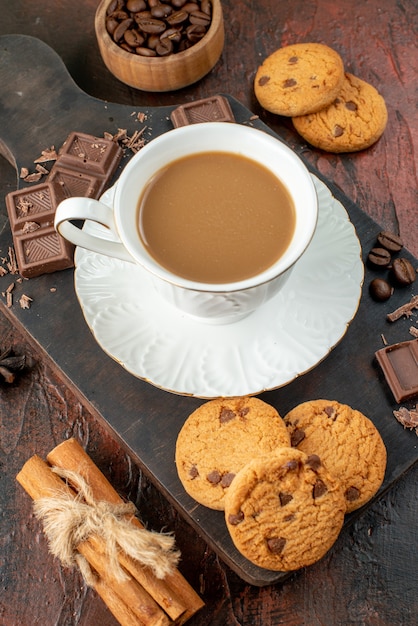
162	73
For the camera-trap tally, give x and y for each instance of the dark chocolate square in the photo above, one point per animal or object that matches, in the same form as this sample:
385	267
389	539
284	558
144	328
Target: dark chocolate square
399	363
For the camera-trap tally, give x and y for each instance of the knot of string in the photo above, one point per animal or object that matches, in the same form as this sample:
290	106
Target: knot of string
68	521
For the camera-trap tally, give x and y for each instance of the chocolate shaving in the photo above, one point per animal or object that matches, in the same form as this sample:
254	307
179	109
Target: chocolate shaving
25	301
47	155
407	417
405	309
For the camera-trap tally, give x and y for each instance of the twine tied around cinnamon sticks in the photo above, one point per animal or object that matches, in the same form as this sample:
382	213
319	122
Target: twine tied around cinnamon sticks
67	522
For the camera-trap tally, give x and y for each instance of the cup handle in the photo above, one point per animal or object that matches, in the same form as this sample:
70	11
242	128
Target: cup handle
89	209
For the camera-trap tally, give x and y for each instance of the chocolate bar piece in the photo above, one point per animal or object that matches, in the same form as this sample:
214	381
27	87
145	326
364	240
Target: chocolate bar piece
42	251
38	247
215	109
84	167
399	363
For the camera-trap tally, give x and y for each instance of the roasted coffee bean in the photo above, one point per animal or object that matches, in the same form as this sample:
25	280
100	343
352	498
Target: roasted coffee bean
390	241
380	289
178	17
151	26
194	33
133	38
164	47
111	25
403	271
121	28
162	27
380	256
134	6
145	52
171	33
161	10
206	7
199	18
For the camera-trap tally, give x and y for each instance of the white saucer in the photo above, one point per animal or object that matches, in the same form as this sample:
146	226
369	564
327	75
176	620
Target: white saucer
283	339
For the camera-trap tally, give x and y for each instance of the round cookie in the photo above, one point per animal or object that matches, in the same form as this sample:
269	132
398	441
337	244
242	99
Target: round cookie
219	438
348	443
285	511
354	121
299	79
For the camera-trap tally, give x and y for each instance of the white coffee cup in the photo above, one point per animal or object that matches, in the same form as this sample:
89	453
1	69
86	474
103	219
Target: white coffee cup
217	303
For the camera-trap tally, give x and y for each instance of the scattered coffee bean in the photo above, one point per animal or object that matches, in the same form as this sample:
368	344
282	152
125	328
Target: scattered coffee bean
403	271
390	241
380	257
153	28
380	289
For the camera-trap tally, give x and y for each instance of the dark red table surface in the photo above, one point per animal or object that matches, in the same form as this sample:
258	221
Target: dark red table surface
369	575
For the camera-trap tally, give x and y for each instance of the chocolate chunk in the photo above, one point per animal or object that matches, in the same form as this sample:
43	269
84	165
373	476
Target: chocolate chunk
338	130
291	465
214	477
226	415
319	489
352	494
263	80
236	519
215	109
330	412
285	498
297	436
193	472
244	411
351	106
313	461
293	60
227	479
289	82
276	544
399	363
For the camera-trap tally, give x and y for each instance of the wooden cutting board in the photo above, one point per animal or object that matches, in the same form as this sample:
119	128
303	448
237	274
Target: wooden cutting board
39	106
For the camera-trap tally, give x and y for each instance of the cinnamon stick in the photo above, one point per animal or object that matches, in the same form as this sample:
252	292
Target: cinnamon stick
173	593
135	606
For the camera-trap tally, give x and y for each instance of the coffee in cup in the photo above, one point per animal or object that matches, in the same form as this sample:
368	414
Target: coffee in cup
266	228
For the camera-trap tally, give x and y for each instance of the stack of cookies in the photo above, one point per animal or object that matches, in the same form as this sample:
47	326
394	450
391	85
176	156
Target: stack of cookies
331	109
284	484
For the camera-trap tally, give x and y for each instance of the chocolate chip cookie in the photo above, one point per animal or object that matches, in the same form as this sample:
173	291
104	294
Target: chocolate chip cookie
354	121
219	438
284	511
348	443
299	79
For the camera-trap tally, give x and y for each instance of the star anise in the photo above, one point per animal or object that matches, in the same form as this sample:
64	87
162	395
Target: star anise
10	365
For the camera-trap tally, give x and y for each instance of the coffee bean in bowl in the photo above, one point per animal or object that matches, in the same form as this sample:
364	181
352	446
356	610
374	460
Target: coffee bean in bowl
159	47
